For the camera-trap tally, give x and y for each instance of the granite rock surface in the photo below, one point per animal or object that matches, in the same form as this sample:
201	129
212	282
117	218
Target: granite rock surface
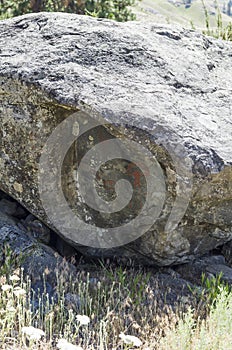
165	89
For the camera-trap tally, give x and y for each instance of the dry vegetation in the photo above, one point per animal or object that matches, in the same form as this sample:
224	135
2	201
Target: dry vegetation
115	308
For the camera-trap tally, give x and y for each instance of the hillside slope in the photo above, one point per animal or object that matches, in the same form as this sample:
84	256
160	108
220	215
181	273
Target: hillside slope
175	11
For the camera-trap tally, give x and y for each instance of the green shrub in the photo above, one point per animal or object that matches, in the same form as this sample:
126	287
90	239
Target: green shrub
118	10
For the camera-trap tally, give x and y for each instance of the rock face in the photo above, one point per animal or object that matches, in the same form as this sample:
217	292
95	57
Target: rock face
27	250
85	103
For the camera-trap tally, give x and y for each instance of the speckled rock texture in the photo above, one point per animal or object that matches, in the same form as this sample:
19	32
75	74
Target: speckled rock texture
169	86
30	252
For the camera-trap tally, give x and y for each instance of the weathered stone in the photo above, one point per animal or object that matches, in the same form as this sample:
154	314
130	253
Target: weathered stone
36	229
63	248
166	89
227	252
26	245
11	208
36	259
220	269
6	219
210	266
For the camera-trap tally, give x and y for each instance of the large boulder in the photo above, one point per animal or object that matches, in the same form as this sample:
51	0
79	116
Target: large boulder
88	102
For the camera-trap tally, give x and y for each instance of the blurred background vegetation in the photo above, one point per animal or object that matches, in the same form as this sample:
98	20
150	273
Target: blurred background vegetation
119	10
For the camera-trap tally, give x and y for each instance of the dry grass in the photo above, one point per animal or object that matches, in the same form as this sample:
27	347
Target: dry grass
118	302
115	300
214	333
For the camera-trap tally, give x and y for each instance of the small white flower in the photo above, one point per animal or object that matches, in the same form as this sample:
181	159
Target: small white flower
19	292
64	345
11	309
14	278
6	287
83	320
130	339
33	333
